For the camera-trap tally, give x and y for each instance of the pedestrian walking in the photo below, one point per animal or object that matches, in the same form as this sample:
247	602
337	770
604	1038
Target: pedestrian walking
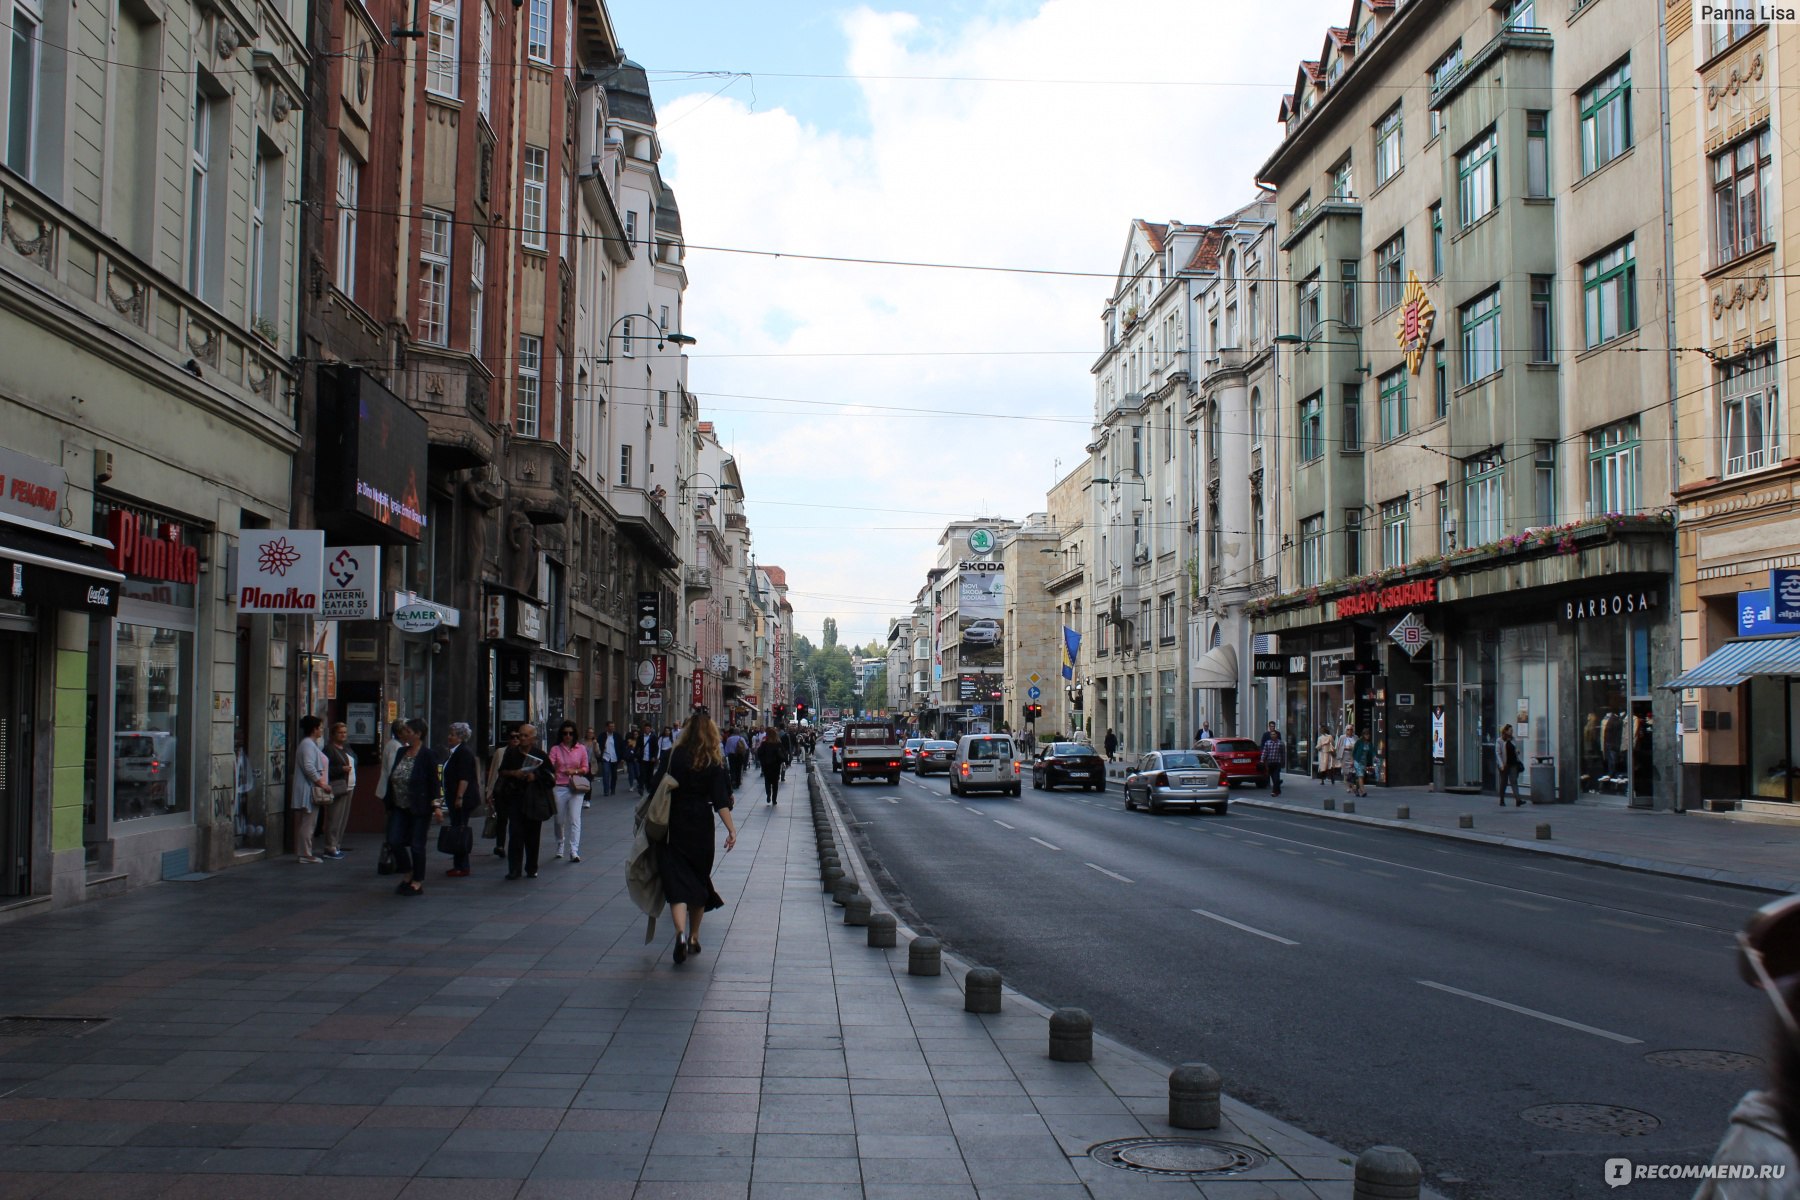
647	760
1346	755
531	801
1112	746
1509	766
414	798
611	755
311	788
632	758
1325	757
1765	1125
1204	733
569	761
1362	761
737	756
499	796
462	789
1274	755
591	744
702	787
340	772
769	762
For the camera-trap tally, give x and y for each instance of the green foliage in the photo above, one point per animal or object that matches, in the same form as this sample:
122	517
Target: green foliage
830	633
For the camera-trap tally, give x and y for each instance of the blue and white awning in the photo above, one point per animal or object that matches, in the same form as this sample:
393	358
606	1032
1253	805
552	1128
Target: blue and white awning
1734	662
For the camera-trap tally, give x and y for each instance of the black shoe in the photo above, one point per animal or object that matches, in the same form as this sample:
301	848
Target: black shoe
531	874
680	950
514	875
693	947
499	851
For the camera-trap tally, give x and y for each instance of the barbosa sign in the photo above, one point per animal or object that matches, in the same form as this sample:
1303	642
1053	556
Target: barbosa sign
279	571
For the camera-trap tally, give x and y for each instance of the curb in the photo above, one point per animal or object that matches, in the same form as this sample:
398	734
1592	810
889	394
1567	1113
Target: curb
1647	866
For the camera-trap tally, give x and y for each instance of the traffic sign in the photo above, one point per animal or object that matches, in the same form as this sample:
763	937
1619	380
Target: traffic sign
1033	692
1035	677
978	710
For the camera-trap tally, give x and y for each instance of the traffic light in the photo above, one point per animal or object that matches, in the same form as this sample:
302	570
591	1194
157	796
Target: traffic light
1033	711
799	710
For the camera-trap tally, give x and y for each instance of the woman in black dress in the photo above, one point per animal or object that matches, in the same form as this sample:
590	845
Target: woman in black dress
703	786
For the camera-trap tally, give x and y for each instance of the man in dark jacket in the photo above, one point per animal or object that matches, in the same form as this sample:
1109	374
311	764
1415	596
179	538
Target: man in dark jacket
462	788
531	802
772	759
1112	745
1274	757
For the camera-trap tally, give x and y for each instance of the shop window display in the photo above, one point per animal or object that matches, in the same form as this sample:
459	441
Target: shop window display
150	720
1604	715
1773	720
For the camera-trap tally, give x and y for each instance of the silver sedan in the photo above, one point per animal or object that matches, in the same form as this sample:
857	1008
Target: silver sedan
1170	778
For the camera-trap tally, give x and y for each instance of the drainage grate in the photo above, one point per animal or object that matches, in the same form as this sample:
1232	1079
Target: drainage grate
1592	1118
1720	1061
1187	1158
49	1026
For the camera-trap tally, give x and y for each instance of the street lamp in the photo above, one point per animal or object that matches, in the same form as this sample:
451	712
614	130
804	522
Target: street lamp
1306	344
663	336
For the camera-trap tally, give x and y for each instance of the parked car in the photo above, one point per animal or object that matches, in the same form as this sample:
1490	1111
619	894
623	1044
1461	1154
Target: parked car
985	762
1068	762
934	757
1165	778
985	632
909	753
1239	759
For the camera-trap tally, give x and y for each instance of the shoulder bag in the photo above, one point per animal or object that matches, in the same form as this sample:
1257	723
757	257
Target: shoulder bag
455	839
656	817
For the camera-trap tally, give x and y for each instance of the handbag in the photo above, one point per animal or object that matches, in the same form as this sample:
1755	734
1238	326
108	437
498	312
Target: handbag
580	784
656	816
385	864
490	828
455	839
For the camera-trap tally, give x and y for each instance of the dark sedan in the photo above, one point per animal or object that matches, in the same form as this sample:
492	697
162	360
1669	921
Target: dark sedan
1239	759
1068	762
934	756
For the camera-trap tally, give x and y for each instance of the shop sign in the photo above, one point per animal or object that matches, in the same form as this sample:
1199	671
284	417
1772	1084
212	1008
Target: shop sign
1437	733
1272	666
1755	615
29	583
352	584
1347	667
1412	328
698	694
372	454
649	616
528	620
1411	635
493	624
158	550
981	541
1611	604
280	570
659	670
647	700
31	488
417	617
1784	594
1399	595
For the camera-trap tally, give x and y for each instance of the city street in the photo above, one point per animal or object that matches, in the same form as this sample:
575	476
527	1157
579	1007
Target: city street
1365	984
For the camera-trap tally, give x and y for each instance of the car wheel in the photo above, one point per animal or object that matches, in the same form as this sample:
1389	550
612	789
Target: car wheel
1153	804
1018	790
1130	804
1219	810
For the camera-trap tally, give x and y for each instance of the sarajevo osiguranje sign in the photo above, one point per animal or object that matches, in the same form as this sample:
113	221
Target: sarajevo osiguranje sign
1399	595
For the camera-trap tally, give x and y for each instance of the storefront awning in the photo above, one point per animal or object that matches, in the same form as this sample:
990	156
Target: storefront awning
56	567
1217	668
1734	662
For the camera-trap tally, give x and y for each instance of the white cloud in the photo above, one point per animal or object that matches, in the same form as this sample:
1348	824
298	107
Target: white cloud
1015	174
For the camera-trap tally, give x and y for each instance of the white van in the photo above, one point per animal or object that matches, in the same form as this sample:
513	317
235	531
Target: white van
986	762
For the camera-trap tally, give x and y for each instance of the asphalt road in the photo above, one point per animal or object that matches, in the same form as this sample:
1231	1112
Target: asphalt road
1368	985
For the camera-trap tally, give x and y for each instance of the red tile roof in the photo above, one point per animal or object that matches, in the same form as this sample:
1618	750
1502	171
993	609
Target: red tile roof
776	575
1156	233
1206	254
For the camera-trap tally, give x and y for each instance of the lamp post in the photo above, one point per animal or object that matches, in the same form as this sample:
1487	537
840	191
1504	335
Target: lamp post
663	336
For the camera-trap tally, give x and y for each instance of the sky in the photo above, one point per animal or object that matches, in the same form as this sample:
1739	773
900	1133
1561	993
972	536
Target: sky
868	405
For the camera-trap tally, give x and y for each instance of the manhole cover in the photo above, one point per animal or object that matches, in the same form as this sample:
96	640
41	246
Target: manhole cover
49	1026
1188	1157
1722	1061
1592	1118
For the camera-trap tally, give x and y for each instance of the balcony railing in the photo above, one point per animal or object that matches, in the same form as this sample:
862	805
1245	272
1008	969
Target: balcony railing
642	518
697	581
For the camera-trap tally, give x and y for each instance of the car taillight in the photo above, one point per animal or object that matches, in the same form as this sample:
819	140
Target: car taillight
1162	779
1015	767
894	764
965	768
853	763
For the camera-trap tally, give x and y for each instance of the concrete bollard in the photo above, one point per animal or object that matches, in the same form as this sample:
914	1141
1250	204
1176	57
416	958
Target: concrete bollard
882	931
1330	804
1465	821
856	910
1403	813
1071	1036
925	957
827	863
1543	832
1386	1173
1194	1097
831	877
1350	807
981	990
842	890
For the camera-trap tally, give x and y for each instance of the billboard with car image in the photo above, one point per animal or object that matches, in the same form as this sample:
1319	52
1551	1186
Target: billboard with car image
981	615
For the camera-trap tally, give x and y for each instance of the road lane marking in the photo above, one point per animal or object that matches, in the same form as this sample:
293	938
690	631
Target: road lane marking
1383	874
1253	842
1283	849
1330	862
892	799
1532	1012
1044	844
1442	887
1262	933
1114	874
1001	824
1626	925
1525	904
977	812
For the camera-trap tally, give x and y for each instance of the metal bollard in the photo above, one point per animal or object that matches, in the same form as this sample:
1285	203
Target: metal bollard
842	890
856	910
981	990
1543	832
925	957
1403	813
1386	1173
1330	804
1194	1097
882	931
1350	807
831	877
1465	821
1071	1036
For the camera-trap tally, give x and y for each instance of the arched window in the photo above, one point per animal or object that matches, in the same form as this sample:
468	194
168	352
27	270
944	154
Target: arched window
1256	417
1231	267
1217	638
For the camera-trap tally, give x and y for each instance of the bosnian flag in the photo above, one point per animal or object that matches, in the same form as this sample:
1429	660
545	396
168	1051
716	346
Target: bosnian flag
1071	648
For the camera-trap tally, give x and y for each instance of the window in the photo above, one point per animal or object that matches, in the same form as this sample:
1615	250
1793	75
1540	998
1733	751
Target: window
1743	208
484	70
1256	418
1312	550
1342	187
1297	212
1393	404
265	237
625	465
1256	532
205	236
1388	150
442	64
1137	449
525	412
1440	381
536	180
477	284
662	409
1537	154
22	93
434	278
1750	416
1481	337
1437	240
1390	272
349	180
1352	432
1483	514
630	227
1446	527
563	222
1720	35
1606	118
1353	540
1441	73
625	335
1309	305
1609	293
1543	328
1544	466
1519	14
1143	624
1613	468
1477	181
1214	557
1255	328
537	36
1312	435
1396	533
1166	619
1347	305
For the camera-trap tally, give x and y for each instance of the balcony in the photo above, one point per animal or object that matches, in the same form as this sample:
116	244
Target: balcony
1227	360
451	390
696	582
538	475
642	520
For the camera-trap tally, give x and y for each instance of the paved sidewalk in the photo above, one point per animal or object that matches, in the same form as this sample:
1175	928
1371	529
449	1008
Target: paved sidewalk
299	1031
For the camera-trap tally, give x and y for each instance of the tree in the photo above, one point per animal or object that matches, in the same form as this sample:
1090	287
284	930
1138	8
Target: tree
830	632
803	652
875	693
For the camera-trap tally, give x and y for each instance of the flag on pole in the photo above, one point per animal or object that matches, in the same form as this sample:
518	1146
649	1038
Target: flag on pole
1071	648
